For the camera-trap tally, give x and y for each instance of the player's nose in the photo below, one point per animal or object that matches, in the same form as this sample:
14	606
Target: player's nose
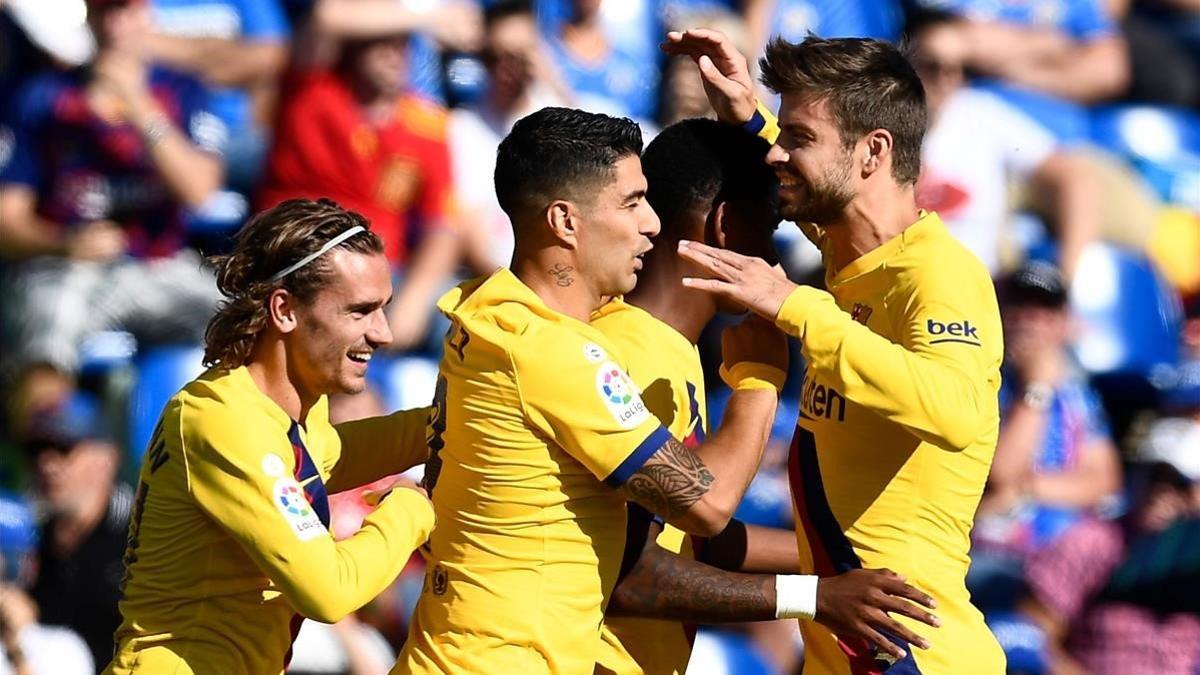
379	332
776	155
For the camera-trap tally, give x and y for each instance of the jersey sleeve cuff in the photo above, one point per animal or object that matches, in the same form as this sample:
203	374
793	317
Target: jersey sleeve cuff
638	457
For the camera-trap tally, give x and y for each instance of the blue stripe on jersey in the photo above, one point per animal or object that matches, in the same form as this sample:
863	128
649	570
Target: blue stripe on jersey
638	457
306	470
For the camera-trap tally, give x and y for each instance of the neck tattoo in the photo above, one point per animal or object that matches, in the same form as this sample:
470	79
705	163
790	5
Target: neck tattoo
562	274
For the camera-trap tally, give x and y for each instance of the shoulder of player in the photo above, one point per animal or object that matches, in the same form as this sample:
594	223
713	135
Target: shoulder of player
939	261
423	117
210	414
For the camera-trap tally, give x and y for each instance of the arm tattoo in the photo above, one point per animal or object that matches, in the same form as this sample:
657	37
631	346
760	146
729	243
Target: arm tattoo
670	481
663	585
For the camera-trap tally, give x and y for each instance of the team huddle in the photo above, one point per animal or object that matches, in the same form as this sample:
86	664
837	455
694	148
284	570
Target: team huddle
576	508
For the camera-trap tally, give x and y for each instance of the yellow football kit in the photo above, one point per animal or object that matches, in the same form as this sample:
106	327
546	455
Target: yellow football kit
228	543
665	365
898	424
538	423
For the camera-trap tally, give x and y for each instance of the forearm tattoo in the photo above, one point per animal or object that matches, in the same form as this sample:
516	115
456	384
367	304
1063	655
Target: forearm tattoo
663	585
670	481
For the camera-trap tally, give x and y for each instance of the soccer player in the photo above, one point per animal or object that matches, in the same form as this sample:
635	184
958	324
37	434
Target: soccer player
541	437
229	547
708	181
898	413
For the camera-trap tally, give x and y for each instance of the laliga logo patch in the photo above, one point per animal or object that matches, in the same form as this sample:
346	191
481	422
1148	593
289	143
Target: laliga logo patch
620	396
294	506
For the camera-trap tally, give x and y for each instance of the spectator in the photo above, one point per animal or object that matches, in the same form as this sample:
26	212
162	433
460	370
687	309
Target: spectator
102	160
83	540
26	646
682	94
518	83
969	190
236	47
1054	462
350	132
603	78
1070	49
1087	629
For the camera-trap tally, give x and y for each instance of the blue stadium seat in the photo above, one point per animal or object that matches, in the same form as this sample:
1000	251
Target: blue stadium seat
1131	317
160	372
1162	143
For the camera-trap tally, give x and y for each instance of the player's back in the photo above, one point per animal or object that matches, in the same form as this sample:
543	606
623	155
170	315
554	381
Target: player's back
193	599
869	489
532	413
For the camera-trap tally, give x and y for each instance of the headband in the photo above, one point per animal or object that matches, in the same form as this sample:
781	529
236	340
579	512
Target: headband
319	252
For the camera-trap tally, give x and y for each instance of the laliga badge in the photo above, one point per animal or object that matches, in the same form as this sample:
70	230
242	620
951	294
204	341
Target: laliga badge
620	396
299	514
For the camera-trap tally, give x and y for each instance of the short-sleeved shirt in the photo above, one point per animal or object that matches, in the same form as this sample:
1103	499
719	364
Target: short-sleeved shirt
229	540
261	21
1105	636
969	190
84	168
538	423
397	174
666	366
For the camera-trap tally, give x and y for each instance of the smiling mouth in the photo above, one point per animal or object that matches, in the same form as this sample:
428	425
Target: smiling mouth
362	356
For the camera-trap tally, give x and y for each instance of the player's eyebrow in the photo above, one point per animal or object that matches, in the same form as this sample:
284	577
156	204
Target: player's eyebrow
364	307
797	128
634	196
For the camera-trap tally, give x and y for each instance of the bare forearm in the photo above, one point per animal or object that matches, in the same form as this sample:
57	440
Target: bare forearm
190	173
665	586
749	548
23	234
1086	486
1073	195
1087	74
221	62
365	18
734	451
1020	437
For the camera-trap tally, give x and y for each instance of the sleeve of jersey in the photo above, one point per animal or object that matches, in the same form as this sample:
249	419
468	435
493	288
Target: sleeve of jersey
590	407
379	446
322	579
939	382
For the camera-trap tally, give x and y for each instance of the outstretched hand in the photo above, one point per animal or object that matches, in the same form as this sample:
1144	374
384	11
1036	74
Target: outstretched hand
723	69
746	280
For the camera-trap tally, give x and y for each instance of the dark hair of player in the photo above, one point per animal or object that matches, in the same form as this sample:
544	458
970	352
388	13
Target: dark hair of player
695	164
271	242
560	153
868	85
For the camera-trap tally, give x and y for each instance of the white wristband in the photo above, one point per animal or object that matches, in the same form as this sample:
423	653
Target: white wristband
795	596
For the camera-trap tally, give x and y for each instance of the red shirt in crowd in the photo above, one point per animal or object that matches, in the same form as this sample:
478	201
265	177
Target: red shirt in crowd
396	174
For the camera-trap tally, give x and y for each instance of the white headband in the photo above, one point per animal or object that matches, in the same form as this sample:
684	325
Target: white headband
320	252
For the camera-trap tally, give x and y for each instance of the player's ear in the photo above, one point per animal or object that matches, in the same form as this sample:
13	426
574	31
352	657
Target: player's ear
877	152
716	225
282	310
563	220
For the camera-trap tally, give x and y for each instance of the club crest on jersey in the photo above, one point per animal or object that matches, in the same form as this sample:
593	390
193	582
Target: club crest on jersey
620	396
293	505
593	352
861	313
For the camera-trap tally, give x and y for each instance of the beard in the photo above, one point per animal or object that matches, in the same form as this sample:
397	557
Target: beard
824	201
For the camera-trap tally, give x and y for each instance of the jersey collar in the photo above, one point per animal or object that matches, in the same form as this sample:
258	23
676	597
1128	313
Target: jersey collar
927	224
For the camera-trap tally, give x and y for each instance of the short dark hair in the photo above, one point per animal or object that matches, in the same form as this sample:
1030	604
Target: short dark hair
869	85
502	9
696	163
273	240
560	153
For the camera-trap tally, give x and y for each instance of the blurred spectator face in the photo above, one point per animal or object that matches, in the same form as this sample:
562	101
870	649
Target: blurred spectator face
509	48
119	24
381	65
74	463
586	9
333	337
939	54
811	161
1034	312
616	230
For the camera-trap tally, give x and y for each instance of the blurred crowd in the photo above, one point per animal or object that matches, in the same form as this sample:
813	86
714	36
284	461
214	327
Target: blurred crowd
136	136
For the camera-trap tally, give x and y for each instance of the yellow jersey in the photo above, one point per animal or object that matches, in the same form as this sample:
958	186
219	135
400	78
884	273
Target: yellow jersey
228	542
537	425
665	365
897	428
